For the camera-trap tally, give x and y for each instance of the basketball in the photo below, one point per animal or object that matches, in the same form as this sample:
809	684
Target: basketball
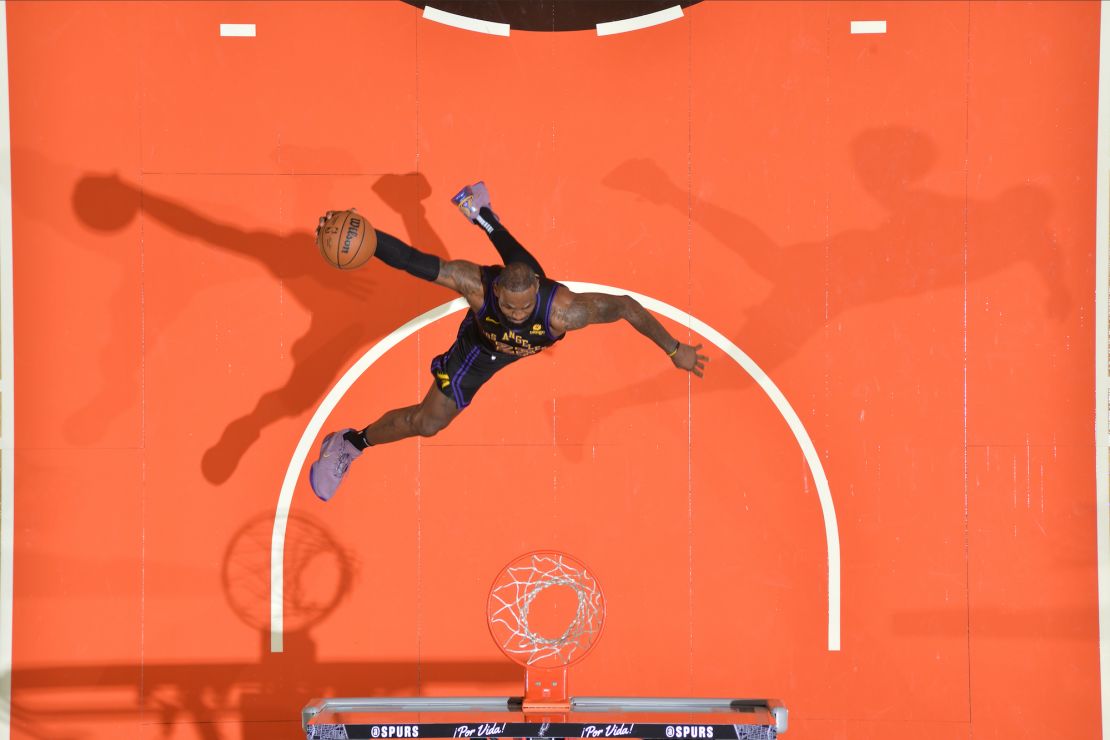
346	239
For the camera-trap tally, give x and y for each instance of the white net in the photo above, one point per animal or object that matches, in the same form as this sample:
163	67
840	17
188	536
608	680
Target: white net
513	610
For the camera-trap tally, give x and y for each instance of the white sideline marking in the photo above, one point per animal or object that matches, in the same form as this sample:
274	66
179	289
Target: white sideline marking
868	26
466	22
1102	329
237	29
639	22
323	411
7	405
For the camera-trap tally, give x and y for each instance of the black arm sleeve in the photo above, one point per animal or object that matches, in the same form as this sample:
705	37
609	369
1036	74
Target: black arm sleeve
396	253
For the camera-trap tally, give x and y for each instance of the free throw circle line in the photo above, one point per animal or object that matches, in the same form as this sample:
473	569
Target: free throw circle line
331	400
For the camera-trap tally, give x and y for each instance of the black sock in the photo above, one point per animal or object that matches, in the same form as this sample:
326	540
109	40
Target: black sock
486	221
355	437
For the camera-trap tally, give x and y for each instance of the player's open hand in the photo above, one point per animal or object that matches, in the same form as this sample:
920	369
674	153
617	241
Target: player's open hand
324	219
688	358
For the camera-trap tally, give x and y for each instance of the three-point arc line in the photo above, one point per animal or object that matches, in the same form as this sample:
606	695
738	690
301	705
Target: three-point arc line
324	410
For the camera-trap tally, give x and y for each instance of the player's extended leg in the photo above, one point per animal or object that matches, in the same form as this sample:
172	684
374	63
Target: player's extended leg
341	448
431	415
473	202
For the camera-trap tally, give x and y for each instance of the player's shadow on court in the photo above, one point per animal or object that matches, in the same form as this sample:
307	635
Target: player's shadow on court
340	324
917	249
251	700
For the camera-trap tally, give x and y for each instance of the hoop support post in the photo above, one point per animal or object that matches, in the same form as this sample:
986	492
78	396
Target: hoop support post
545	689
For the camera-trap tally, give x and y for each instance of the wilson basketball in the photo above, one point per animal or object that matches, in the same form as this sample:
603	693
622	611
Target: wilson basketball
347	240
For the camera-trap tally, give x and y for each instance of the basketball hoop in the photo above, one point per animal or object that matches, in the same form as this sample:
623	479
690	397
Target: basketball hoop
545	612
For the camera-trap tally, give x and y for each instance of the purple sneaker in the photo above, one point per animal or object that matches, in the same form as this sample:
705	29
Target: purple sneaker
336	454
472	199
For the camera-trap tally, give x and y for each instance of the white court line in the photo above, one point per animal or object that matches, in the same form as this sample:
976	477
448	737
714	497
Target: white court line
868	26
7	402
639	22
323	411
1102	343
237	29
466	22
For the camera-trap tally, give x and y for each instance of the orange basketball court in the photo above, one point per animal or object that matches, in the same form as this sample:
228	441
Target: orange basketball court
884	505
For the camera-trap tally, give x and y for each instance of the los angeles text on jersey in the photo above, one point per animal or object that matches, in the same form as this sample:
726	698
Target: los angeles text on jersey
395	731
683	731
510	343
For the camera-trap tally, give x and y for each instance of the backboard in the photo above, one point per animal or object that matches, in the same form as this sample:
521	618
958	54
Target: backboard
504	717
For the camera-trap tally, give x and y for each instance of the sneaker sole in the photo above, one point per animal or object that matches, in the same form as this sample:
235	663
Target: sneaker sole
312	482
312	471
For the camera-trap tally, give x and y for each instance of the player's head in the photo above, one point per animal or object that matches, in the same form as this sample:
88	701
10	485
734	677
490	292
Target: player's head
516	289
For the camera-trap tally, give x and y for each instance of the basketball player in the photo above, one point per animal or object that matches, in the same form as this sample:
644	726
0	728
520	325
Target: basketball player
515	312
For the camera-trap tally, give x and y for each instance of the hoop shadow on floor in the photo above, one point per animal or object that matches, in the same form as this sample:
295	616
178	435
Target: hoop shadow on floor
250	700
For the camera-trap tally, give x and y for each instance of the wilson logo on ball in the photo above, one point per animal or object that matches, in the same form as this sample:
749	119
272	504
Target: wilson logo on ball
352	232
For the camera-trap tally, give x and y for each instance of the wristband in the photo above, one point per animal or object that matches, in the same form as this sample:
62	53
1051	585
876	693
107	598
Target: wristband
674	352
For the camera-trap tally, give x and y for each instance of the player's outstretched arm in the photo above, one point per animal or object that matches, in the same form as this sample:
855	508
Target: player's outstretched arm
572	311
465	278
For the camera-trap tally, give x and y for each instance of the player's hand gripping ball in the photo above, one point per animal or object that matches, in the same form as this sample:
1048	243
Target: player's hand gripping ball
346	239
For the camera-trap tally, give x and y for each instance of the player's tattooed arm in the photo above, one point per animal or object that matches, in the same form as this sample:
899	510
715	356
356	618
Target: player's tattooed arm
572	311
465	278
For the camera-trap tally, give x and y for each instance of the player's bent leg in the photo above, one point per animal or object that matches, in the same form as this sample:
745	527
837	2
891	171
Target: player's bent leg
506	244
474	203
